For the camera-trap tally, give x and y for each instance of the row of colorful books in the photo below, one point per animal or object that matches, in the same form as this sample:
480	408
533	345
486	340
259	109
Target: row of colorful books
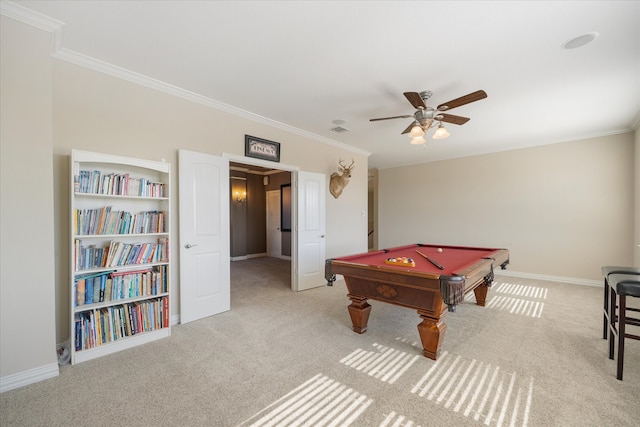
96	182
97	327
105	221
119	254
119	285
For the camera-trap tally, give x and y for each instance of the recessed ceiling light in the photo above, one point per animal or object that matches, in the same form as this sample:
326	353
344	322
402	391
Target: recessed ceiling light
580	41
338	122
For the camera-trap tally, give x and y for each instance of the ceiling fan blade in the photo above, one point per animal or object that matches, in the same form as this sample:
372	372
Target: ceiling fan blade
463	100
415	99
408	129
456	120
387	118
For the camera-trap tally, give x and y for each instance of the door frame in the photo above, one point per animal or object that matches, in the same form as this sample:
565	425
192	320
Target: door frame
294	200
269	238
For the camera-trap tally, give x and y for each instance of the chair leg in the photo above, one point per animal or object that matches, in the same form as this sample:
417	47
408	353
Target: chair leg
605	317
612	321
622	320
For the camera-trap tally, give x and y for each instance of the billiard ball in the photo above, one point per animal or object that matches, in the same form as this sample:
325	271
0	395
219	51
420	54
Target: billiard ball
439	249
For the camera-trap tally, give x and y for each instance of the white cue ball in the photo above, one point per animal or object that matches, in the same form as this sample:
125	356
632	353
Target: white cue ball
439	249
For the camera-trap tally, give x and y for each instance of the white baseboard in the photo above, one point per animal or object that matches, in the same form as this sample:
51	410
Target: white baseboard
256	255
249	256
562	279
30	376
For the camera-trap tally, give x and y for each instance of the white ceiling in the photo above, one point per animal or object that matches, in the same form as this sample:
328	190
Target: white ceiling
305	64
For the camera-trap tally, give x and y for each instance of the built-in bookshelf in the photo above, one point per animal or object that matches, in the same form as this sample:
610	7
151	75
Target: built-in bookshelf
120	257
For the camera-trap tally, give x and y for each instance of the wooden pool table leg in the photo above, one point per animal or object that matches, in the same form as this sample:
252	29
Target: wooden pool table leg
431	332
481	294
359	311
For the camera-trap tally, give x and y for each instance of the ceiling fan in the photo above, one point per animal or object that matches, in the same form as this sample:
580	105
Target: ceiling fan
425	117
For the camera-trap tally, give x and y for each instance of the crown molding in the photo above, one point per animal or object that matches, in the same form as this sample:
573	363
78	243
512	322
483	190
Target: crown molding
55	27
34	19
30	17
140	79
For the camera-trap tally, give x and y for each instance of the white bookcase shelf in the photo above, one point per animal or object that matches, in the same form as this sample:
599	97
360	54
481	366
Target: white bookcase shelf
120	253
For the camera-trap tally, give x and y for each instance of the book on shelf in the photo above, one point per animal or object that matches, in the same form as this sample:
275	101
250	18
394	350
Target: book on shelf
96	289
101	221
165	312
141	253
95	182
98	327
87	285
103	288
88	290
116	285
109	289
80	291
133	254
78	333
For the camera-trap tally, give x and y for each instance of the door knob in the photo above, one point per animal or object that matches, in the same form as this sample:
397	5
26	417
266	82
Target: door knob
189	245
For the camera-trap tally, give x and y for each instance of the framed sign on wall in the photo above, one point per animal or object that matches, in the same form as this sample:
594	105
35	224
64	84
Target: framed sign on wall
261	148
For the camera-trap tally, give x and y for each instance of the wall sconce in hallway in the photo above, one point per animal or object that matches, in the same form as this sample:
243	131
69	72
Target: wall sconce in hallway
240	197
238	189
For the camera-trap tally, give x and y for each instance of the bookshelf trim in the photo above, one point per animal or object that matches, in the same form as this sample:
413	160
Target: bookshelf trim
119	345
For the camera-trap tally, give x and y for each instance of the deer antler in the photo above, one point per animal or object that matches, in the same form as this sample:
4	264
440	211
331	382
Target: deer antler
341	163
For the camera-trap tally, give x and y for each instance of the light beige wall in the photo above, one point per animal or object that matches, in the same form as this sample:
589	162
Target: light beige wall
27	330
562	209
98	112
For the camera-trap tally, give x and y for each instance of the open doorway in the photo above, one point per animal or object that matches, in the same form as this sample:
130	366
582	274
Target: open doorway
259	197
204	203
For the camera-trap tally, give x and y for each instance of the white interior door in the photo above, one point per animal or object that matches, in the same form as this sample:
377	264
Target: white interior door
310	213
274	234
205	287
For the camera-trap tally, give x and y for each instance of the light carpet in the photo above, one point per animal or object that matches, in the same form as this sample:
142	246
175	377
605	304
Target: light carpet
533	357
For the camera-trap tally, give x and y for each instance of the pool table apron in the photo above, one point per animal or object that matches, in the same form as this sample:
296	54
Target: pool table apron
417	290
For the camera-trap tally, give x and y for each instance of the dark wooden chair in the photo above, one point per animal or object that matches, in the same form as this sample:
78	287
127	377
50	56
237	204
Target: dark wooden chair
606	271
621	286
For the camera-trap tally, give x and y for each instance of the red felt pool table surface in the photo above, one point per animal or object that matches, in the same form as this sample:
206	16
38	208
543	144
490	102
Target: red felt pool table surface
454	259
425	287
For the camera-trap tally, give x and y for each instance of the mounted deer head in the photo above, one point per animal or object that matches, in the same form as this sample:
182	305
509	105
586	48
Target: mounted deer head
340	179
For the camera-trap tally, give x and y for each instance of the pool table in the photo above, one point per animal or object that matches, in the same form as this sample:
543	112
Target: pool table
435	280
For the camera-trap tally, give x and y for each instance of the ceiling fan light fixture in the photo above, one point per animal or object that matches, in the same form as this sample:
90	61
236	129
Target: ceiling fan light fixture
441	133
416	131
418	140
425	117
